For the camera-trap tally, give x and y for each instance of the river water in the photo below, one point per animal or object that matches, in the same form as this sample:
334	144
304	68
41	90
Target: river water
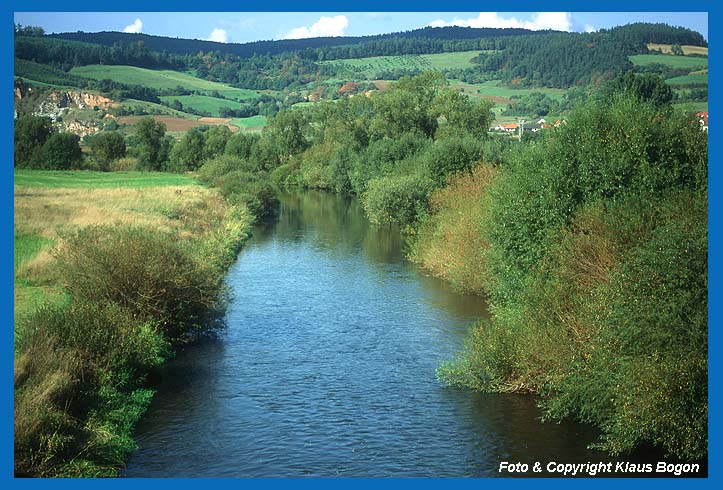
326	368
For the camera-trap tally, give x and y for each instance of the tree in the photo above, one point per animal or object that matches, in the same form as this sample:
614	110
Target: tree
108	146
149	133
188	153
646	87
61	152
216	139
30	135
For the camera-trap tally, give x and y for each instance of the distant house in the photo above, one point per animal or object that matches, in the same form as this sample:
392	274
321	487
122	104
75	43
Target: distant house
703	119
534	127
509	128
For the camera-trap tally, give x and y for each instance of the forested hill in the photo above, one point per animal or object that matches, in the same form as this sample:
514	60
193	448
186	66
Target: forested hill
418	41
192	46
516	57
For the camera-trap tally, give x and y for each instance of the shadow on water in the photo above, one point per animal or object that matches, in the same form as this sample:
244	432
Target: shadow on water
327	368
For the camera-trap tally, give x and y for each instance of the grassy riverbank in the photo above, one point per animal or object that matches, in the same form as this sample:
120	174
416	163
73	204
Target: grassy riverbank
112	271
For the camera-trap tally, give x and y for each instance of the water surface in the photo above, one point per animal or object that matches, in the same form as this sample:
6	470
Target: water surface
326	367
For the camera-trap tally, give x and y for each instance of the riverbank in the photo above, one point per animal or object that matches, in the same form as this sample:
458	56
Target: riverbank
112	272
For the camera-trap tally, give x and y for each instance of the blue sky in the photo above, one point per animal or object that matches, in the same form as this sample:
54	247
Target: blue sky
254	26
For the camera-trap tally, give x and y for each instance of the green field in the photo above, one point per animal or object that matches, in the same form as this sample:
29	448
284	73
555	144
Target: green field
495	88
691	79
27	246
135	106
684	62
98	180
692	106
441	61
252	123
202	103
160	79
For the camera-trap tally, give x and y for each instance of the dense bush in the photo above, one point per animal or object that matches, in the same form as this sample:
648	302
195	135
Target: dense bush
597	258
402	200
79	391
31	133
150	273
108	146
252	190
60	152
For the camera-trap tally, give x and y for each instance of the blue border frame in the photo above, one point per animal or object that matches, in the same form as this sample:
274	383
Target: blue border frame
6	221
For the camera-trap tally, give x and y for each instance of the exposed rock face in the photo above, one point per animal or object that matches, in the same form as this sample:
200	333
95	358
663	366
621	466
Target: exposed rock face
57	103
79	100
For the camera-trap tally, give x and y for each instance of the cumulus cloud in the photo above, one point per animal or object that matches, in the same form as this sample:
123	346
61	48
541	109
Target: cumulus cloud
559	21
219	36
135	27
324	27
589	28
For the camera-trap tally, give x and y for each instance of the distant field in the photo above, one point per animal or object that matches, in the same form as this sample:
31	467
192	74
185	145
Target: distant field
684	62
202	103
501	93
692	106
160	79
152	108
692	79
371	66
687	49
180	124
98	180
253	123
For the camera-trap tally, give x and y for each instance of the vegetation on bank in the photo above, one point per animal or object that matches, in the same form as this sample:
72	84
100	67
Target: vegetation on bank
590	240
109	278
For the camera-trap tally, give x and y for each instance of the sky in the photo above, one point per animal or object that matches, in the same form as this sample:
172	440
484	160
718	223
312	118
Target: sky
241	27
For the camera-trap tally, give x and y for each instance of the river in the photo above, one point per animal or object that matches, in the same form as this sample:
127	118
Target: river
326	367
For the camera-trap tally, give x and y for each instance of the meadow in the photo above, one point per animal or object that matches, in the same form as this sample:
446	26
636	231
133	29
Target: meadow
161	79
682	62
203	103
690	79
687	49
50	203
440	61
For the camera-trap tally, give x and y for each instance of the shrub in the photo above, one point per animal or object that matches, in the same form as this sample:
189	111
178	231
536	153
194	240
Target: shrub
449	243
31	133
252	190
61	152
219	166
108	146
81	360
402	200
150	273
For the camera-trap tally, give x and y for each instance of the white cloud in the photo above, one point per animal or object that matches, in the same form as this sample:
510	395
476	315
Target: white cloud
219	36
324	27
559	21
135	27
589	28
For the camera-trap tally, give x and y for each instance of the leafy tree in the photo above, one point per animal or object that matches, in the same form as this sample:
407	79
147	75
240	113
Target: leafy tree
646	87
61	151
188	154
30	135
216	139
108	146
149	134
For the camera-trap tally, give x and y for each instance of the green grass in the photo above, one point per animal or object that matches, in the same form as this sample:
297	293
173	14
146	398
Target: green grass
204	103
495	88
692	106
440	61
691	79
160	79
98	180
27	246
686	62
249	122
134	105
